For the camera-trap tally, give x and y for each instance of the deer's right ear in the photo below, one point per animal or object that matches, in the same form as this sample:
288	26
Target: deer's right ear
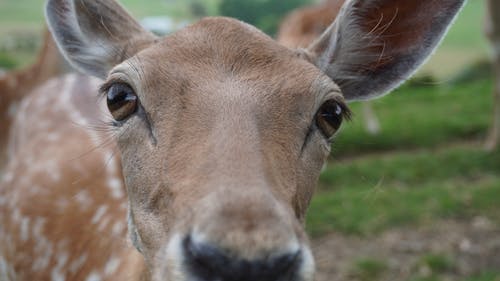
95	35
374	45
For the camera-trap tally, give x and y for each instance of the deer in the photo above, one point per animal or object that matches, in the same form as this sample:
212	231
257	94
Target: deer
16	84
305	24
302	26
191	157
492	32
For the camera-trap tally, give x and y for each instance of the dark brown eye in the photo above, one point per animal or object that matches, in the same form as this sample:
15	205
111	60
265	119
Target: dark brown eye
122	101
330	116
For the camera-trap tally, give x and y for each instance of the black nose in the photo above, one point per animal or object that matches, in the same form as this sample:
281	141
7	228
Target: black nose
208	263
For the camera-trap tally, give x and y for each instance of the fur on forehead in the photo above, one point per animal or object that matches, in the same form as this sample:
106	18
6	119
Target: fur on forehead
221	48
225	40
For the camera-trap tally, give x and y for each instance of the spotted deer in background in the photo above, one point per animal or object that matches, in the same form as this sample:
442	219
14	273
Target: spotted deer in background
16	84
218	132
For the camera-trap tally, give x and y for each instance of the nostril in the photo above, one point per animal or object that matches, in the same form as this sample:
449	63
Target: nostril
203	260
208	263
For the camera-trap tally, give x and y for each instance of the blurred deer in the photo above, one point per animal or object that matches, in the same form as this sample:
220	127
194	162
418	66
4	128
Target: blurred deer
221	134
15	85
302	26
493	34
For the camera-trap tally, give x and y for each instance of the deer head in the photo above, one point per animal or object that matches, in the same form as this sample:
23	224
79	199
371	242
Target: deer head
223	132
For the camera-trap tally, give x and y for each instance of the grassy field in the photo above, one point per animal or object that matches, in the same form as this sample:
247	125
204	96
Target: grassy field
426	163
427	166
464	43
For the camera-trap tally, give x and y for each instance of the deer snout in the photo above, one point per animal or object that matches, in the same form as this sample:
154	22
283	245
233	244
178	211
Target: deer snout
206	262
241	238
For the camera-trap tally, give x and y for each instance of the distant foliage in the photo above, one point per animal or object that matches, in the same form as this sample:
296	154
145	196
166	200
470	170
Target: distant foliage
479	70
265	14
6	61
198	9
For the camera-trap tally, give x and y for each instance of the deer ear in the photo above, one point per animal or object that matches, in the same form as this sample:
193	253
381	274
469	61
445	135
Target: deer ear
95	35
375	45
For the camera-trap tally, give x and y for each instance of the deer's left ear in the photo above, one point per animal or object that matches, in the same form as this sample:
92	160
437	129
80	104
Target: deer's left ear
95	35
375	45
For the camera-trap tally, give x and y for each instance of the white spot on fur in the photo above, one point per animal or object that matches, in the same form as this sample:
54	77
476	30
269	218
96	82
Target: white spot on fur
3	267
38	227
57	276
99	213
16	216
44	250
6	270
52	169
77	264
94	276
84	199
115	184
56	273
25	222
111	266
118	228
53	137
103	224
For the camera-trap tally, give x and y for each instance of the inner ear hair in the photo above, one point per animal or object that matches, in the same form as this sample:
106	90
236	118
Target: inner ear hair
95	35
375	45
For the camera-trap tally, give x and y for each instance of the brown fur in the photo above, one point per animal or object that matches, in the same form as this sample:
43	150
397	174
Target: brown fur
17	84
223	149
304	25
70	186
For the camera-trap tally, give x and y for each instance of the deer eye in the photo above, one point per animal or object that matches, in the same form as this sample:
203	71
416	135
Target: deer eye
330	116
121	100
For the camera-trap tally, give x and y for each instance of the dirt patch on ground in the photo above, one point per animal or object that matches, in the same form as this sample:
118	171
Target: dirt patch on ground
450	250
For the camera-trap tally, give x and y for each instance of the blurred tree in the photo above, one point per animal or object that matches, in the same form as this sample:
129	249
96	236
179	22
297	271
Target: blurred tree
265	14
197	9
493	33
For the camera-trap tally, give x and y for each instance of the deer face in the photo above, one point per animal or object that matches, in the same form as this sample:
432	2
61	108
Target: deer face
223	132
218	150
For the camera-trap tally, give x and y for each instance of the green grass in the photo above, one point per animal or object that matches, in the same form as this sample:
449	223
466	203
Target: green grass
366	210
410	168
7	61
368	269
430	278
421	117
464	44
429	163
489	276
466	32
437	263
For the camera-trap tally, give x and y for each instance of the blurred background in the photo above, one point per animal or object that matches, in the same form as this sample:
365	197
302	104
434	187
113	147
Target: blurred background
412	189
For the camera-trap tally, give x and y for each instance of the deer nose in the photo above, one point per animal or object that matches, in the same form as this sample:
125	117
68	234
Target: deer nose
208	263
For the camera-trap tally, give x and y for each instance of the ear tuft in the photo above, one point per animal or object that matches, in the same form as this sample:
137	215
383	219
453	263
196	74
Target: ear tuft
375	45
95	35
